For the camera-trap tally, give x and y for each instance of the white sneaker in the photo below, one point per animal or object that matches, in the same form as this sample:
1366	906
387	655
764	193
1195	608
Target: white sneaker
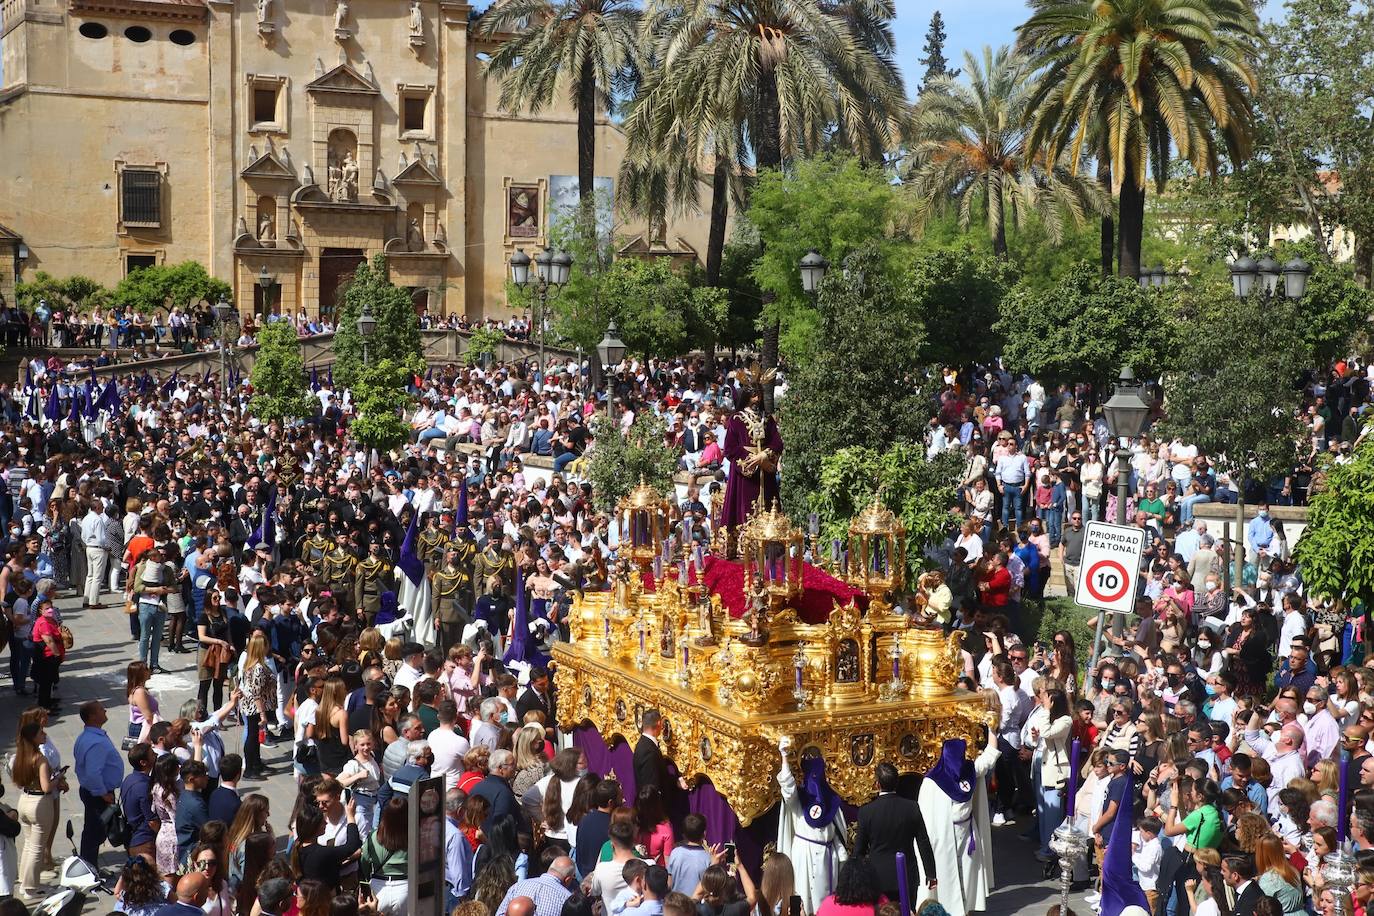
1092	899
998	820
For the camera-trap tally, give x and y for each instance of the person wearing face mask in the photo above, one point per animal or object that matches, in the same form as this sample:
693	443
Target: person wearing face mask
49	651
1259	533
1102	692
1320	727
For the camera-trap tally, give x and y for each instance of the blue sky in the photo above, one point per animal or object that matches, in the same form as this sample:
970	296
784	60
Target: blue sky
970	24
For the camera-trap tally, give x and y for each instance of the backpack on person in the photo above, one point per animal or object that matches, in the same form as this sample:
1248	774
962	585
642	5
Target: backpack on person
117	830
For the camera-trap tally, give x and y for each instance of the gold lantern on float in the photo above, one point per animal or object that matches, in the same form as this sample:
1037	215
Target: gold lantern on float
643	524
877	551
771	549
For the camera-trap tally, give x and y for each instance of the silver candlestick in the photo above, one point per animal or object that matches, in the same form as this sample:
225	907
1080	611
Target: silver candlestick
1069	844
1339	875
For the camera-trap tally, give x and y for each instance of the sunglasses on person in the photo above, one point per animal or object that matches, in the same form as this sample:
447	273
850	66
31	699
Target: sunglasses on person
206	864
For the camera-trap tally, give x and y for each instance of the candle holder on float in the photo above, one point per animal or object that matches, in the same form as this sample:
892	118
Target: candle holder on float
1069	844
1339	875
877	552
895	689
643	526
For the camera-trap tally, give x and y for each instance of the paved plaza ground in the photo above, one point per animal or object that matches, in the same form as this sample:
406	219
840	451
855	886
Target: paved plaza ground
95	670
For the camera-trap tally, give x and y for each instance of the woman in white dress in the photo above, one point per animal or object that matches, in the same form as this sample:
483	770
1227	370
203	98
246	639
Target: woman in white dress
811	828
954	802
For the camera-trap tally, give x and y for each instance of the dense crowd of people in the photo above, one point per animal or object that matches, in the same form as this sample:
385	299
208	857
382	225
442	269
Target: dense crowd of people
364	609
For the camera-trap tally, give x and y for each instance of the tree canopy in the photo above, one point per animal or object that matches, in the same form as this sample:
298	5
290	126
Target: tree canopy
397	335
278	375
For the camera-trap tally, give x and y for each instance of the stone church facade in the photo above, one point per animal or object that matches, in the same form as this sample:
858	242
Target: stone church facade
280	142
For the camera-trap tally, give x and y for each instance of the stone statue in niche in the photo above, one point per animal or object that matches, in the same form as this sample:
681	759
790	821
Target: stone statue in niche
341	30
666	643
417	22
267	228
415	239
343	177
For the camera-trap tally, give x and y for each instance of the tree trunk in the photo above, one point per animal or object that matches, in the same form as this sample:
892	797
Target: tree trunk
715	242
999	240
1131	216
1364	259
768	155
586	136
1107	251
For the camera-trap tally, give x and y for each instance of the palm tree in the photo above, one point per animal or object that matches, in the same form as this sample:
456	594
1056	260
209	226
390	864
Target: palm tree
968	144
1129	80
771	79
591	45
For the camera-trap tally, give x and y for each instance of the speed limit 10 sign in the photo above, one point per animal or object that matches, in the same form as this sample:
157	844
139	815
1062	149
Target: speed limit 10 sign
1109	572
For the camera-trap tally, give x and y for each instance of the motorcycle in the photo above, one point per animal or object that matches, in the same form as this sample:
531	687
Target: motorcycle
78	880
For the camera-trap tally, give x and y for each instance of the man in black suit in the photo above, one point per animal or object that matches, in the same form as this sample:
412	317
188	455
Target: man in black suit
495	788
1239	873
651	769
537	697
891	824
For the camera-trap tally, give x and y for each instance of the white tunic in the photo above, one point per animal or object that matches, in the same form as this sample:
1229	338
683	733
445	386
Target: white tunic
816	852
415	599
964	880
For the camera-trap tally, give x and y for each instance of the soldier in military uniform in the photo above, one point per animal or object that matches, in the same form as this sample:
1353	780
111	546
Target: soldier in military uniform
338	571
314	546
374	575
467	562
492	565
449	585
430	545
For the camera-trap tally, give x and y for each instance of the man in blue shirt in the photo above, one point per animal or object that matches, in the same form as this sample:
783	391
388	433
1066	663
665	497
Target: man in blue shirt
192	811
99	771
135	796
1259	534
457	852
192	892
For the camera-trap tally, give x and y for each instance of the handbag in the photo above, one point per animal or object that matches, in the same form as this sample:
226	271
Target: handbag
307	754
68	640
117	829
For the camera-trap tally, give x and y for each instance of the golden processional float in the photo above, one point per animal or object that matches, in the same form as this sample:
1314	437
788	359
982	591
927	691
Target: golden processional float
859	687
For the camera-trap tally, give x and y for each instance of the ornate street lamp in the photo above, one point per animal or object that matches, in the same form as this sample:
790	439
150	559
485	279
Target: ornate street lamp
1244	273
366	325
1295	274
551	272
813	268
1126	413
1269	274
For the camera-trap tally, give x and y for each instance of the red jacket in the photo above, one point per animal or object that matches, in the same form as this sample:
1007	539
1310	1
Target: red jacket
998	588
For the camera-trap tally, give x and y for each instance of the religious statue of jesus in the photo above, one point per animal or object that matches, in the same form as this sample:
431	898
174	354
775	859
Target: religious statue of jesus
753	447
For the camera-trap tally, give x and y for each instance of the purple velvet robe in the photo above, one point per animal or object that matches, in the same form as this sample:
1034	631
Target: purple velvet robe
741	489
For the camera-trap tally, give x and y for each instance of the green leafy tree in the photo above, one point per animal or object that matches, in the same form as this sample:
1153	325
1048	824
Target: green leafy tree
831	203
397	337
919	492
481	344
1234	387
618	461
379	390
583	45
279	375
954	289
1085	328
1336	549
72	294
863	387
790	76
968	149
1318	140
581	309
1130	81
1334	308
745	299
166	286
933	53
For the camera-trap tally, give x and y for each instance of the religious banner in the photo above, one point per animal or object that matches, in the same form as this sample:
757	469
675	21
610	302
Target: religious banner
522	211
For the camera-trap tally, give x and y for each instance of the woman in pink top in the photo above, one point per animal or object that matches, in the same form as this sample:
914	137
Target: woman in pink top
655	832
856	891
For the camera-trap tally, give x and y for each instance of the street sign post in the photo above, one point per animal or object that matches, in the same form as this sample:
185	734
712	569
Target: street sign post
1109	572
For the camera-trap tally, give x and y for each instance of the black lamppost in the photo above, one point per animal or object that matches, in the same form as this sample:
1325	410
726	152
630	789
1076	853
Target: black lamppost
366	325
552	270
610	351
1126	413
1249	275
266	281
225	314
